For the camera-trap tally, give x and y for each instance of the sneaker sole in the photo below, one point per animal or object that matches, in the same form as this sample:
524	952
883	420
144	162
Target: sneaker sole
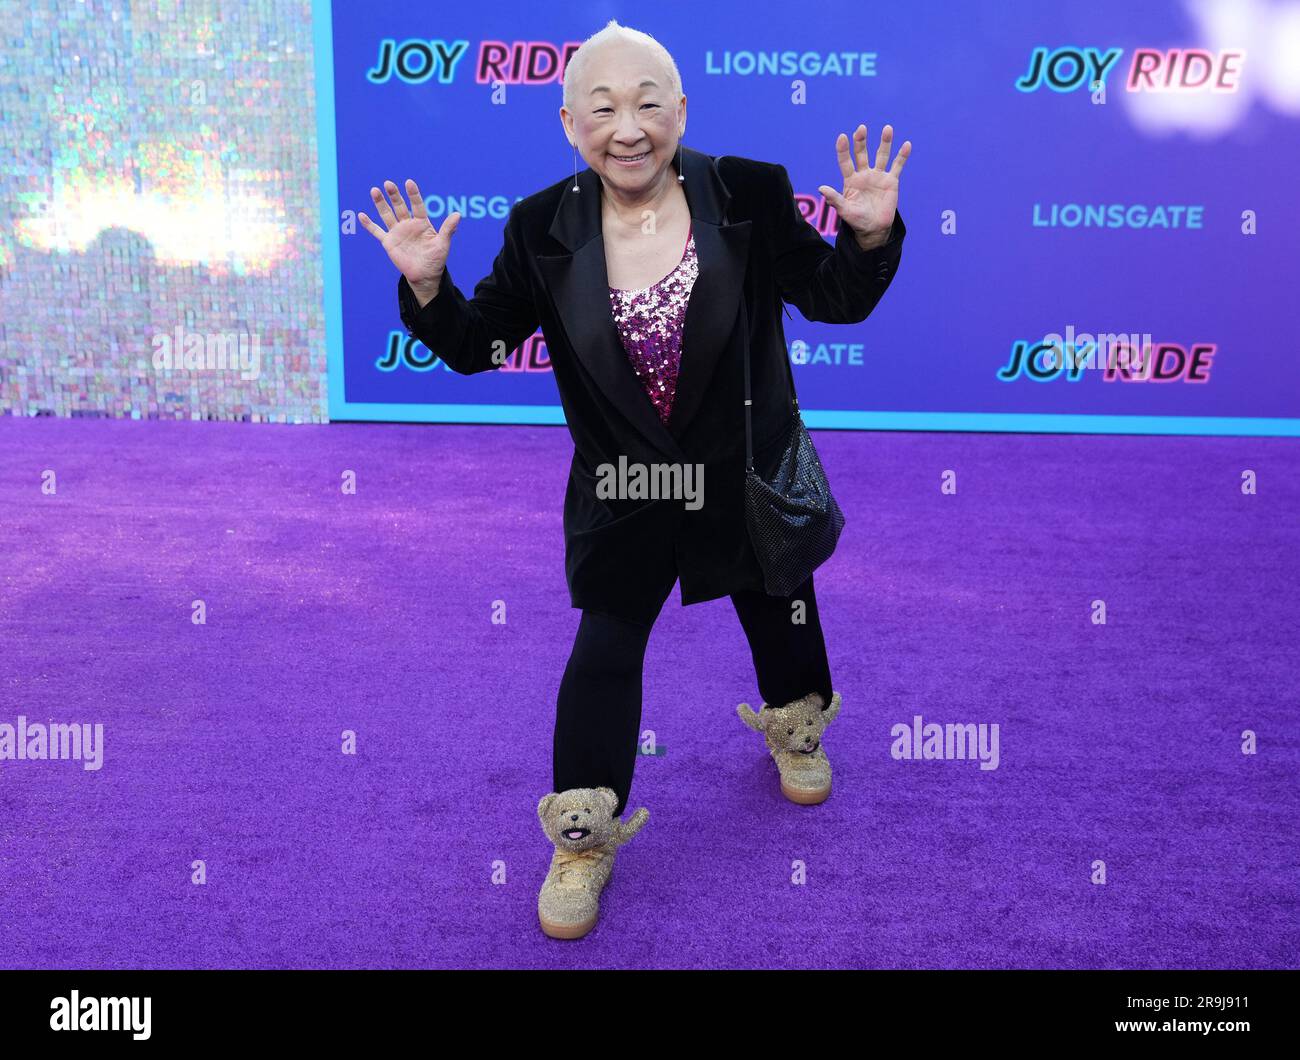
566	931
572	931
804	796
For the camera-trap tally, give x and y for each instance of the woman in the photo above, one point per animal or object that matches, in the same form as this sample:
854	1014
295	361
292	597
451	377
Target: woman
649	273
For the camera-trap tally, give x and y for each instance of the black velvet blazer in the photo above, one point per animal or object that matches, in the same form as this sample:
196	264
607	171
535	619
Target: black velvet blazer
755	251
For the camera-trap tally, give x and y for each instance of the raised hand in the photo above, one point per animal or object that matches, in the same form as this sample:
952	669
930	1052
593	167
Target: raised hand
417	249
870	194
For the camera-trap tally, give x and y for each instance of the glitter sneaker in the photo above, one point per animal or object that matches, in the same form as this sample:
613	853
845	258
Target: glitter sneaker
587	835
794	737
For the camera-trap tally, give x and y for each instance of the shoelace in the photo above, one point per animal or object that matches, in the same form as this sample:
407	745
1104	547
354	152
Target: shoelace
567	861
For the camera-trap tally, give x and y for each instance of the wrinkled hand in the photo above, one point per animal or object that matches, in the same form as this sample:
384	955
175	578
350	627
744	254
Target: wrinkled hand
417	248
870	194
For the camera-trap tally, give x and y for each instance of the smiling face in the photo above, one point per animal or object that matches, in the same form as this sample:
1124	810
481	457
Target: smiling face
625	123
579	818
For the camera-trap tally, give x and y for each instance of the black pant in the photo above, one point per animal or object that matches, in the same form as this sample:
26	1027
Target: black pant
598	715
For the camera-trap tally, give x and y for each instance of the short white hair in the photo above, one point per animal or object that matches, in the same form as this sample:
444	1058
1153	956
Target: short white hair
613	32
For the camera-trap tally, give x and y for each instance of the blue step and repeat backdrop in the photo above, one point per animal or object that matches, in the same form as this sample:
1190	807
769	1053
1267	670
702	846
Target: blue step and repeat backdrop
1103	222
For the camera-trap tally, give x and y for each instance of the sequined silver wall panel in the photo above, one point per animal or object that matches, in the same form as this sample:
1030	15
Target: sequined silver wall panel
159	212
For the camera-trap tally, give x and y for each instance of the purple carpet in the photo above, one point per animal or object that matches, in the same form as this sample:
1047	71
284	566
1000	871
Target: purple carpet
1119	743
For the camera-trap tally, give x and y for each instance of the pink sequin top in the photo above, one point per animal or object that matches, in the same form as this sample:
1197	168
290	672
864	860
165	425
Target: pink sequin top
650	323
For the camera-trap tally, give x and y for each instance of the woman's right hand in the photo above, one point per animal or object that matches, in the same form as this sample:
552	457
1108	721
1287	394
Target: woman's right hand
417	249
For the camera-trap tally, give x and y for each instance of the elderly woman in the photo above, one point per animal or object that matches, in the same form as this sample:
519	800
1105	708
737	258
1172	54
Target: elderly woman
651	273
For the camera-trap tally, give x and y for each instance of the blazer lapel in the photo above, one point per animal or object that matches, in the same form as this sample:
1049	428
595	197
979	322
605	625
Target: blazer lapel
579	285
711	312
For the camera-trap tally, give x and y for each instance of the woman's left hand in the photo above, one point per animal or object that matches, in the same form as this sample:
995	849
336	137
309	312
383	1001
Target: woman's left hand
870	194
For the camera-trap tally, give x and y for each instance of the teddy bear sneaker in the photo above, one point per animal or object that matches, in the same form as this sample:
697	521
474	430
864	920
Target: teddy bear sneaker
587	835
793	733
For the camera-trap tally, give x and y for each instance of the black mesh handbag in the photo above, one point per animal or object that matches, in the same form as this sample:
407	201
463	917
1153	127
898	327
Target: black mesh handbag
794	522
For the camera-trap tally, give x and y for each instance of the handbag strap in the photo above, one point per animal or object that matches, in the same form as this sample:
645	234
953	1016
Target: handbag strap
749	428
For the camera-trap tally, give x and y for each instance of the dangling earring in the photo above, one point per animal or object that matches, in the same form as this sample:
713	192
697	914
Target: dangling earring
575	167
681	177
